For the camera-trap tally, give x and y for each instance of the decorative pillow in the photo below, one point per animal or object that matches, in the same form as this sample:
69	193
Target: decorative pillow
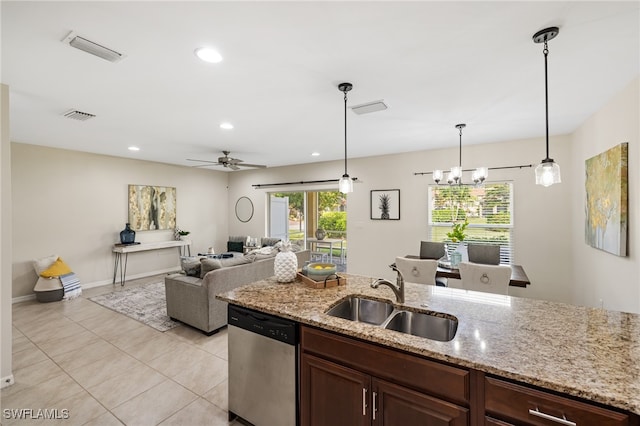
269	241
191	265
207	265
43	263
58	268
235	246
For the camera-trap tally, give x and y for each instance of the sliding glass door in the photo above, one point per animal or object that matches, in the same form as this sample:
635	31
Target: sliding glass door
307	214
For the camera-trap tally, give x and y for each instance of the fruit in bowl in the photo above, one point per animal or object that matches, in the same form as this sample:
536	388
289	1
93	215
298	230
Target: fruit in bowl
319	271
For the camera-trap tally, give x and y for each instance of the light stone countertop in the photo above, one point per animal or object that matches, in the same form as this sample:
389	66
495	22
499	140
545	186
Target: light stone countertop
585	352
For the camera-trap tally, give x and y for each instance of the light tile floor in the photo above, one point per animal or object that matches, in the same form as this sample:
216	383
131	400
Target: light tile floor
107	369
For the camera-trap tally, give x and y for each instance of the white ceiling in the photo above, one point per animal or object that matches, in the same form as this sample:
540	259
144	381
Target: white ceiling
435	64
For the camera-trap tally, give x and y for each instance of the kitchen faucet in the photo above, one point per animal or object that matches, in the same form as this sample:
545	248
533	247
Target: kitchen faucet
397	290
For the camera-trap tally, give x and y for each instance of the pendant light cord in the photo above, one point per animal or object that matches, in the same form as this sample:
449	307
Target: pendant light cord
546	96
345	132
460	150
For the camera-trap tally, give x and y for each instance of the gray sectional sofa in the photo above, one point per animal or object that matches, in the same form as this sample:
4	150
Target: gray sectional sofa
192	300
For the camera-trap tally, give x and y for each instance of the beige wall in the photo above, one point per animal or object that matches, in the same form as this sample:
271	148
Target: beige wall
374	244
74	204
601	276
5	240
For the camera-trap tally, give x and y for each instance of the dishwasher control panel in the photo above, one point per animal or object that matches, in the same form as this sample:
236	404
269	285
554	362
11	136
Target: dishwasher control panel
266	325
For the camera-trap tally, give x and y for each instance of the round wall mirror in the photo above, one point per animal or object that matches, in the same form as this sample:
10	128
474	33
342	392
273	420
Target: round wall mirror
244	209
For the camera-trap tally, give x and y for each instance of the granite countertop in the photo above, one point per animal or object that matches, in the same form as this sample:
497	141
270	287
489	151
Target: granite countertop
585	352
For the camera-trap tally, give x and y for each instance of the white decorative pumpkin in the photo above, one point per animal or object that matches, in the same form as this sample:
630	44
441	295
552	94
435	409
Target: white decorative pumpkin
285	265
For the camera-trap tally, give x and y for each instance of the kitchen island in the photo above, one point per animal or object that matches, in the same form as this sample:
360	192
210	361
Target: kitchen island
586	353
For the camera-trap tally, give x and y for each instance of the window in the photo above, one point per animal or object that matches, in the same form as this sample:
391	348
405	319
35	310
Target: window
488	209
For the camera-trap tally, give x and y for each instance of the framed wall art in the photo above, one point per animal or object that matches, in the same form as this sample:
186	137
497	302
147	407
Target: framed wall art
385	204
606	208
152	207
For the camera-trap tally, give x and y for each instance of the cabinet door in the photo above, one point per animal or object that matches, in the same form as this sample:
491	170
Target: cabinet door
332	395
394	405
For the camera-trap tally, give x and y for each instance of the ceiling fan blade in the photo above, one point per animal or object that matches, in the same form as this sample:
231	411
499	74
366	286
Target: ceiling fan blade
203	161
257	166
233	166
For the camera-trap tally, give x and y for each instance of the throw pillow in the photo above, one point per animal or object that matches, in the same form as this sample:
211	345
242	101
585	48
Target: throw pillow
43	263
235	246
191	265
269	241
58	268
207	265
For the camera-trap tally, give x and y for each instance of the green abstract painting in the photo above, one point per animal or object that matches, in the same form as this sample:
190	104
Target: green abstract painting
606	200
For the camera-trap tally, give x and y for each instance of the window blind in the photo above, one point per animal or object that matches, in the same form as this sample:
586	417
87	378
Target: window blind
487	208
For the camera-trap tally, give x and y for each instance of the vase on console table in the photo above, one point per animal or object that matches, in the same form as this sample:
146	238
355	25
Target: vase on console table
127	235
320	234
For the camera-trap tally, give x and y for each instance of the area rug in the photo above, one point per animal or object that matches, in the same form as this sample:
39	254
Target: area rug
146	304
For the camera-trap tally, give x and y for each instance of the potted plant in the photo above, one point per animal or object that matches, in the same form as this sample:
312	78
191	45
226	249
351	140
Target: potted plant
457	235
180	234
457	231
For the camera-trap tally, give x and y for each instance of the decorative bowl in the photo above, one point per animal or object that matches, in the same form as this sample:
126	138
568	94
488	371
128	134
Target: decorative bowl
319	271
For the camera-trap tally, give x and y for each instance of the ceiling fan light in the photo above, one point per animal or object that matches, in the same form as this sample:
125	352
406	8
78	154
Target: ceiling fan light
345	185
547	173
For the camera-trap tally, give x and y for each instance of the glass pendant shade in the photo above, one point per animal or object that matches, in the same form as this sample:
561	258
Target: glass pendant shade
437	176
547	173
345	185
449	178
482	173
456	173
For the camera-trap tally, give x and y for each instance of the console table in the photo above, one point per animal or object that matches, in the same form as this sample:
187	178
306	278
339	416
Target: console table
120	249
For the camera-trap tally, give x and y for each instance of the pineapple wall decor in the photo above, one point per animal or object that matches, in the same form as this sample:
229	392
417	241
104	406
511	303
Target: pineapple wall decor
385	204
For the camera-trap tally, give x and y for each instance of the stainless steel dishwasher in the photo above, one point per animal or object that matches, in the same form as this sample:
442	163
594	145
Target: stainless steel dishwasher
263	368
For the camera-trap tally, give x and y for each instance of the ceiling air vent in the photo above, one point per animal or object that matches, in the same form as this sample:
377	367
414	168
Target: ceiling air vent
78	115
74	40
369	107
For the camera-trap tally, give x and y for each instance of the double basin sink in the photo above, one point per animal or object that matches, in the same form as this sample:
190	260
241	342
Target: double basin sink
431	325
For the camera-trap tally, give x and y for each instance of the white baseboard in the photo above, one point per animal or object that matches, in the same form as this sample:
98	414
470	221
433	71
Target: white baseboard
104	282
7	381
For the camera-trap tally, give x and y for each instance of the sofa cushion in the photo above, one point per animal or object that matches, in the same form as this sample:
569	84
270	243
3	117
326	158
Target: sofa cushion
207	265
191	265
234	261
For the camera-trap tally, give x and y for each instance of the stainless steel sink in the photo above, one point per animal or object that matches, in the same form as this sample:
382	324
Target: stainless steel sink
362	310
424	325
433	326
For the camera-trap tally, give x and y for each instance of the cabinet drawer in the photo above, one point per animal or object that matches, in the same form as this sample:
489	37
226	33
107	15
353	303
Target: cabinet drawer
431	377
519	404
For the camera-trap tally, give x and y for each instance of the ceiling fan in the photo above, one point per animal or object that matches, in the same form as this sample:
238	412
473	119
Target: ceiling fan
226	161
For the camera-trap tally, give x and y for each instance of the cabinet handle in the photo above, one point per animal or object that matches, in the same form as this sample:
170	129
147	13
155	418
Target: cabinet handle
364	401
546	416
374	395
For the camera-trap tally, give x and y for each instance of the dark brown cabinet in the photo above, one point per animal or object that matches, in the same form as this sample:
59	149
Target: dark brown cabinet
332	394
344	387
516	404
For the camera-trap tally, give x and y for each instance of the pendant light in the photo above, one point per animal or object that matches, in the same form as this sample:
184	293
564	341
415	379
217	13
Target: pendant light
455	174
345	184
548	171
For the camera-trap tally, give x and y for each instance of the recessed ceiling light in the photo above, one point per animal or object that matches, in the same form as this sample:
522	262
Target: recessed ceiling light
315	154
208	54
226	126
134	148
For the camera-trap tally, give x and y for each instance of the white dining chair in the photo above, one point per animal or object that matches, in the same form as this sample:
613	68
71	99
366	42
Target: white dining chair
487	278
421	271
